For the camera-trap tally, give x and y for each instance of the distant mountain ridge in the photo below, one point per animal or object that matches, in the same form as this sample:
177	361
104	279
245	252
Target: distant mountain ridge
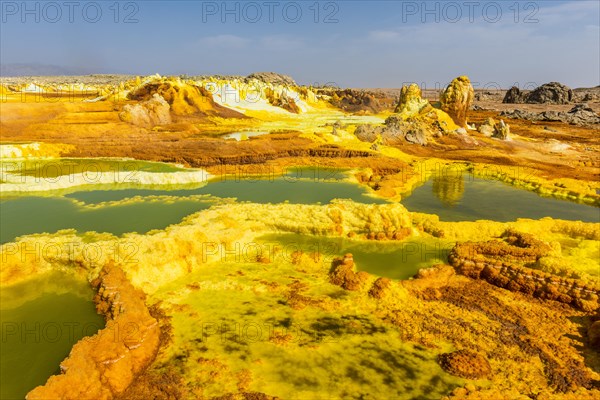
34	69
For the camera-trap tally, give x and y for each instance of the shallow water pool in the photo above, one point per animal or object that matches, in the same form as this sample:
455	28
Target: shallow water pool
465	198
41	321
90	167
27	215
140	210
391	259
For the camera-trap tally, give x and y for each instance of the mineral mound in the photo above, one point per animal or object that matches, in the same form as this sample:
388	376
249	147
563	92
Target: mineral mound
491	128
510	263
457	99
273	78
380	288
465	364
417	121
395	131
343	274
352	100
411	103
183	98
147	114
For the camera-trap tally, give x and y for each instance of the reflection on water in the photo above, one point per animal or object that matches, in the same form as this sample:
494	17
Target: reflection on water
452	198
466	198
449	190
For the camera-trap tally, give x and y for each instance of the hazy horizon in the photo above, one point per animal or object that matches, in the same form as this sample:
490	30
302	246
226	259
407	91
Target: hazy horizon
67	71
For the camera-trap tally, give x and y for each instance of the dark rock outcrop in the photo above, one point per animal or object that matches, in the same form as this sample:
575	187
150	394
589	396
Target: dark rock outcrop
549	93
487	95
514	96
580	114
353	100
582	95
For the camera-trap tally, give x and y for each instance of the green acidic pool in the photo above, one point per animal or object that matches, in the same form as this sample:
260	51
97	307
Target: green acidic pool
392	259
41	321
266	190
52	168
465	198
451	198
27	215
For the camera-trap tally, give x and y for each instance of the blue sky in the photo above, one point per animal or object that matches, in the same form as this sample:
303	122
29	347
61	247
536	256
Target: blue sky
350	43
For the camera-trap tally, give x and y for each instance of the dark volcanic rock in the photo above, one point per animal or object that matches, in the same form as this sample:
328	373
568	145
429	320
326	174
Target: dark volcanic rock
581	115
551	93
514	96
488	96
522	114
581	95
